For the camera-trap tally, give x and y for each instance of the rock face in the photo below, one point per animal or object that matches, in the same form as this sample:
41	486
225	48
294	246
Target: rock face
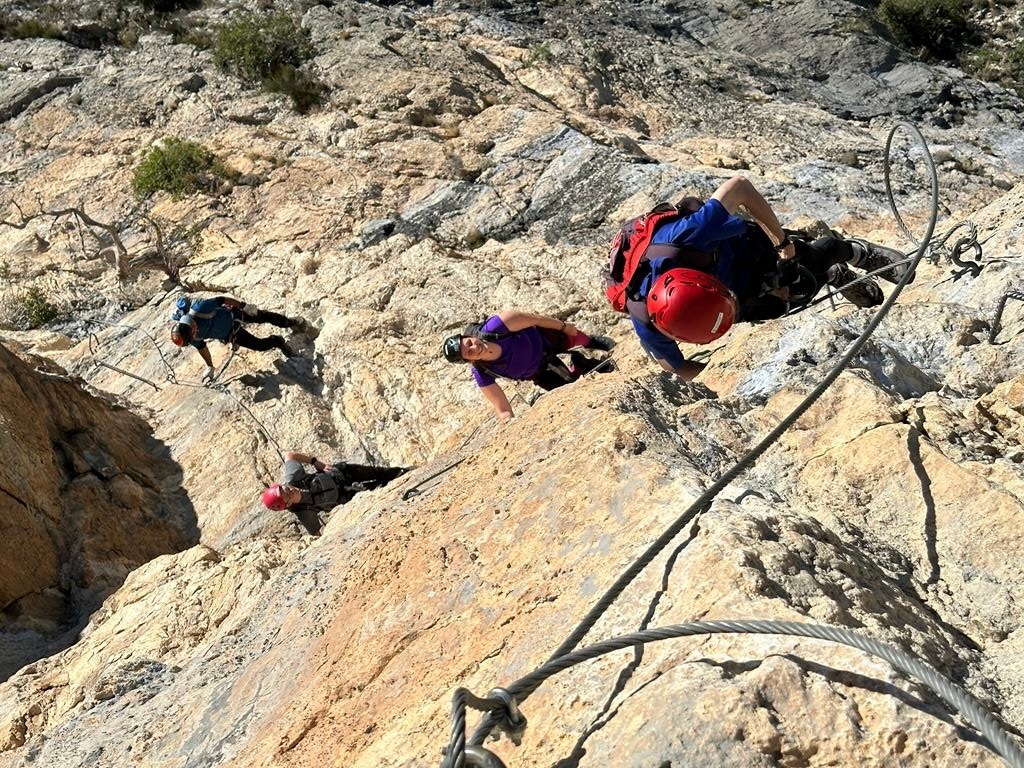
473	157
87	496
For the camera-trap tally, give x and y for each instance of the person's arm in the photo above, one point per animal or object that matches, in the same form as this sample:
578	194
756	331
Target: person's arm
204	352
305	458
515	320
665	352
738	193
495	395
687	370
247	307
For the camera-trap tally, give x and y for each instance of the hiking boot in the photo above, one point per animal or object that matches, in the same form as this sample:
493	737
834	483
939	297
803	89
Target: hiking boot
601	343
864	293
286	350
299	325
869	257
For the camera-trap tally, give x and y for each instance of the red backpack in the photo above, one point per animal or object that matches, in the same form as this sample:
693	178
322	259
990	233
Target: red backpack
632	245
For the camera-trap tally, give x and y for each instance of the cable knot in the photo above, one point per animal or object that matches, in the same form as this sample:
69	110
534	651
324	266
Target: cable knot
512	722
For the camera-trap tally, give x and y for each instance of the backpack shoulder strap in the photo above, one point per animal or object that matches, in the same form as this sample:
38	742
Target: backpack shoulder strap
631	247
197	315
476	330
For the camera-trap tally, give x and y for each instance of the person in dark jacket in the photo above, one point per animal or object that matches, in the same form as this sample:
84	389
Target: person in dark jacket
223	318
328	485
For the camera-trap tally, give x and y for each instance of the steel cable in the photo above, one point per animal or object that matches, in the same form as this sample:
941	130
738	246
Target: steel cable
223	388
704	500
955	696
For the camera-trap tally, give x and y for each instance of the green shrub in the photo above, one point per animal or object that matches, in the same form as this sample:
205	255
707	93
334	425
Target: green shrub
180	168
31	28
256	47
933	28
269	50
38	311
538	54
305	91
1004	65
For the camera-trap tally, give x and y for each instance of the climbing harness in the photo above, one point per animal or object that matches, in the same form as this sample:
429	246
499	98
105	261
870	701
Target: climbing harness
459	752
996	324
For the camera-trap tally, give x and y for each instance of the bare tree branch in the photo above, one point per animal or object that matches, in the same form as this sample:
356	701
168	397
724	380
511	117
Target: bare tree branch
121	258
17	224
170	252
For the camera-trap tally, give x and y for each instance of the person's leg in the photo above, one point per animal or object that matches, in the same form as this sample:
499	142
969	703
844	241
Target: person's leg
872	257
370	477
275	318
245	339
827	251
827	257
581	365
555	341
818	255
553	373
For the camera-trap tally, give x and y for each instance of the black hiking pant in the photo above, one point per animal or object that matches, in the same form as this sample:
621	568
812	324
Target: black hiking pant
553	372
243	338
362	477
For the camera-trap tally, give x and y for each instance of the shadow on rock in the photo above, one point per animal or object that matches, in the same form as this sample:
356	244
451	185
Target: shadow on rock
301	371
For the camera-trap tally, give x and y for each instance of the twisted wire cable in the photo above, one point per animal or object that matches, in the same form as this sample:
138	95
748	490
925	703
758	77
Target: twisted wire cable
174	380
955	696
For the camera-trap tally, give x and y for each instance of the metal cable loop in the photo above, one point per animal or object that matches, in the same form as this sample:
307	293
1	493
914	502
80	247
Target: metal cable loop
458	754
955	696
704	501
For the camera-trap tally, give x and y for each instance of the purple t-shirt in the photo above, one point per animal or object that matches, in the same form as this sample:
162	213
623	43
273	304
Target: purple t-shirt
522	352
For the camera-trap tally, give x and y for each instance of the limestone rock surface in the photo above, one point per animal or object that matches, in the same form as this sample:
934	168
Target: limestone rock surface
470	157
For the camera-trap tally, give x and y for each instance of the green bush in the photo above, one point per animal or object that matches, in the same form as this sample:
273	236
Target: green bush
933	28
538	54
998	64
179	167
305	91
255	47
31	28
38	311
269	50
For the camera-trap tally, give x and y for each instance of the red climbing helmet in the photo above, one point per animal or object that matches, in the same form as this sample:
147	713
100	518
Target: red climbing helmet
691	306
273	498
182	333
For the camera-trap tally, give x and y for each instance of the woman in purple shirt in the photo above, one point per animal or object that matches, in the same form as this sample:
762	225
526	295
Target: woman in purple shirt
522	346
